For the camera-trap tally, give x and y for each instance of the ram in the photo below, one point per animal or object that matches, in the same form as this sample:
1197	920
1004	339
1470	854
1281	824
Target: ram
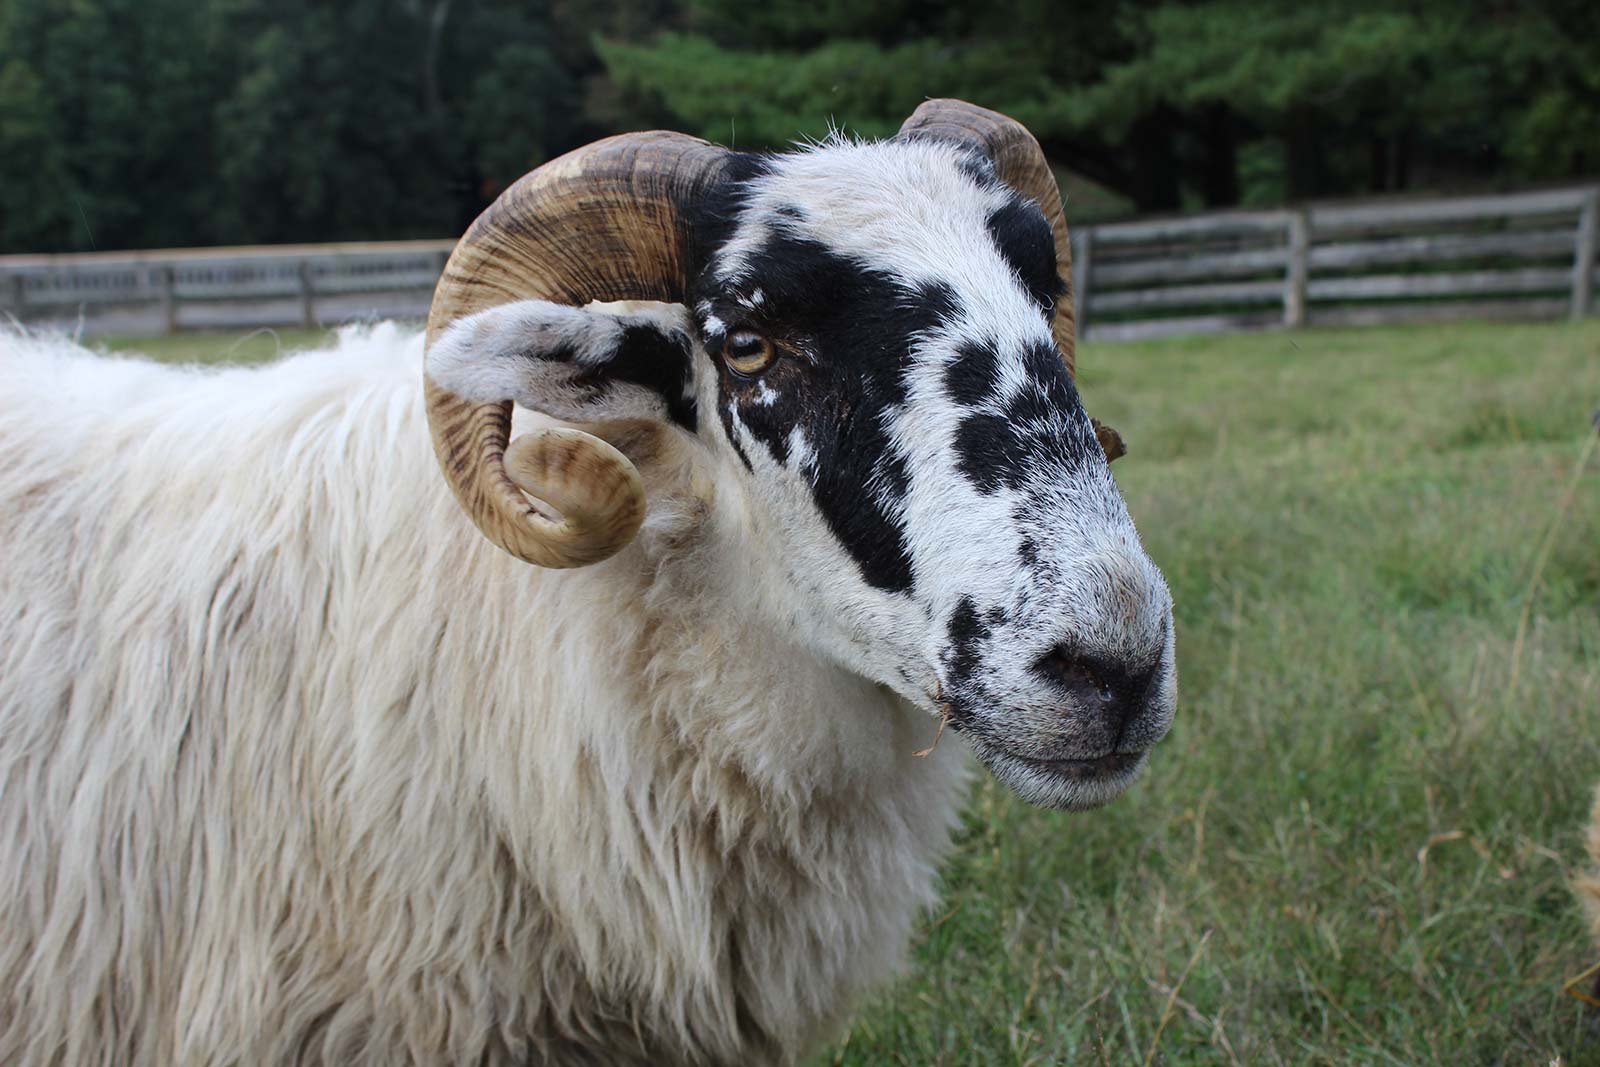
297	766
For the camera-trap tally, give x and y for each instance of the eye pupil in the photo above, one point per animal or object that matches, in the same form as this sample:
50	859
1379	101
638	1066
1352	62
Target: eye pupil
748	352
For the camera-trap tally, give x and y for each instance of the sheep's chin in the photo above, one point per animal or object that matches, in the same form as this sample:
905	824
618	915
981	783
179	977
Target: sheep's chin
1065	785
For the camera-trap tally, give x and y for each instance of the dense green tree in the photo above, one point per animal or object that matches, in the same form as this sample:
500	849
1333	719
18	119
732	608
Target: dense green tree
128	123
789	68
1205	101
373	117
33	168
1353	93
103	124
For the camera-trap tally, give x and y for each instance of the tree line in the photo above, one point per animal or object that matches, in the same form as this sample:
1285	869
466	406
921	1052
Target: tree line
148	123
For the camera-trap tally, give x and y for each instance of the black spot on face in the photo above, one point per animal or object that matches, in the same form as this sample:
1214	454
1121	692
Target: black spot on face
965	637
987	447
971	377
894	480
1050	387
1042	429
845	334
1024	239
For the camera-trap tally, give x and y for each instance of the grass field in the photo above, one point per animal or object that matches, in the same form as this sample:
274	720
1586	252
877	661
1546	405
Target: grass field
203	347
1355	844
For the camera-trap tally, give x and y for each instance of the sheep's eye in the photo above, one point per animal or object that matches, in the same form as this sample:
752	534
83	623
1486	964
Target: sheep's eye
747	352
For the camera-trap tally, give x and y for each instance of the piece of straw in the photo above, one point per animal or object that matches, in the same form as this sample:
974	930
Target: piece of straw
924	753
944	720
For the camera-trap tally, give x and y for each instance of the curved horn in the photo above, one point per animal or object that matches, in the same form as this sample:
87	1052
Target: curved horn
1020	163
608	221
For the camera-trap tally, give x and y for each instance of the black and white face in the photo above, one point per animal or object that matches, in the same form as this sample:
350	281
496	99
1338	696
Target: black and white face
868	363
881	367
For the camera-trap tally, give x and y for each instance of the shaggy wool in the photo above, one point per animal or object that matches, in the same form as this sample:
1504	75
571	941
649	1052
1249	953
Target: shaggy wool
296	768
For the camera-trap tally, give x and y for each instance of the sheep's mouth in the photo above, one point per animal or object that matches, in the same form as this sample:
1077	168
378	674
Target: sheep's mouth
1110	765
1066	784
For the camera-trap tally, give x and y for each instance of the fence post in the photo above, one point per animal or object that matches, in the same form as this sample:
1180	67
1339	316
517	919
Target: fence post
1583	257
1298	242
308	311
1082	265
19	296
166	284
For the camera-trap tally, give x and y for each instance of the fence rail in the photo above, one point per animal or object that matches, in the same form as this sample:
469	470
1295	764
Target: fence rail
163	291
1519	255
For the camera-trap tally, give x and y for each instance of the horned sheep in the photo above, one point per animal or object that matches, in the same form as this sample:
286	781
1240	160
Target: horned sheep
297	766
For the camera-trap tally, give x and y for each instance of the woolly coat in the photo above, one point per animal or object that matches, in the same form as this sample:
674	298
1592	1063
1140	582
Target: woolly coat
296	768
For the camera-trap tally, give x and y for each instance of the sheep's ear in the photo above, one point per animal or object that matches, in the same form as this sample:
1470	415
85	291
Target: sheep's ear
599	363
1110	440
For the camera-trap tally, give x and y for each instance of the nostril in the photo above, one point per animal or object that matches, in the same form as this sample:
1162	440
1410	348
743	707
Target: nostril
1064	665
1110	687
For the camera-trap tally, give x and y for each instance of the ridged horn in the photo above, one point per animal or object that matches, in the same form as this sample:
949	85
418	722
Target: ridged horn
608	221
1020	163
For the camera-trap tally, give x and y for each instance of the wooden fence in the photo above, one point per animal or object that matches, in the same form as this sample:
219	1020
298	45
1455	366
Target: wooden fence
223	288
1520	255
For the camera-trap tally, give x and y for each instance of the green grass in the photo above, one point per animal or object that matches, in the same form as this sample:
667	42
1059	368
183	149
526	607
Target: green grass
216	347
1351	523
1354	847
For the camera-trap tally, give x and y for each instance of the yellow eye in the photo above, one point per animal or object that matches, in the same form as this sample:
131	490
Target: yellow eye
747	352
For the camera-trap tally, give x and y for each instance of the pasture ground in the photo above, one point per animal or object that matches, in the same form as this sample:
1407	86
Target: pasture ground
1354	847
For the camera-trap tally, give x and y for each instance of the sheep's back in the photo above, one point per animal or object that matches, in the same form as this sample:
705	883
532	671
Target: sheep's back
297	767
185	551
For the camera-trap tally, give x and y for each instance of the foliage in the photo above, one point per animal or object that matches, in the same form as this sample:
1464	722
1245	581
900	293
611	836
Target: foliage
1442	84
149	122
1159	100
127	123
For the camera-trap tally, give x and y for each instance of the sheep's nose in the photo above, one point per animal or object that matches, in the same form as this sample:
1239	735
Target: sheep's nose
1111	692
